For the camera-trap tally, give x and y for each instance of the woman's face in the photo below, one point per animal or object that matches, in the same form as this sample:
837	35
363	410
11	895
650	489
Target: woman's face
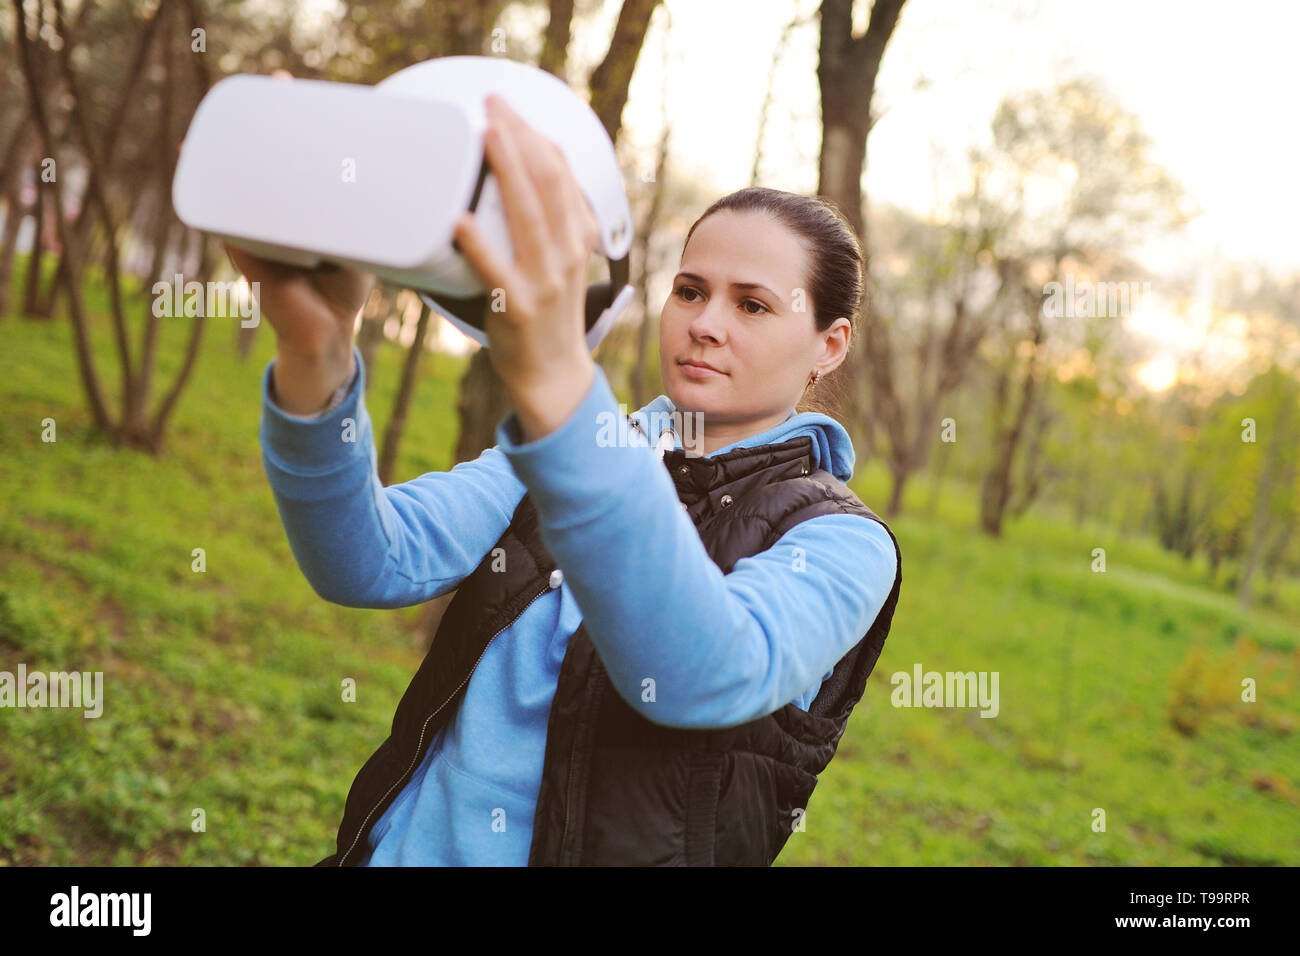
738	303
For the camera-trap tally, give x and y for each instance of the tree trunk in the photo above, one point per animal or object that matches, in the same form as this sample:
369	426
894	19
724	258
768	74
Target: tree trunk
14	162
847	68
91	153
555	42
14	156
85	214
81	339
164	224
482	403
159	430
936	482
611	78
1031	481
997	488
137	425
15	214
32	289
397	420
371	332
896	493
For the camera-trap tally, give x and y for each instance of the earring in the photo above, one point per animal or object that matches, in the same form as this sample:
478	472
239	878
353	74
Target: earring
815	376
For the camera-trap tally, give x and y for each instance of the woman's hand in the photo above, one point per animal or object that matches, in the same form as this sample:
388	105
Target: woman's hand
313	312
538	344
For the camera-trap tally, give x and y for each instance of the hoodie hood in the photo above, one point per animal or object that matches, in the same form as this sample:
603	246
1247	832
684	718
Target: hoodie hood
832	448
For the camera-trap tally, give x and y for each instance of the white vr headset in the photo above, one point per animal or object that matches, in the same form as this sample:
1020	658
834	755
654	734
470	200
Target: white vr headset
375	178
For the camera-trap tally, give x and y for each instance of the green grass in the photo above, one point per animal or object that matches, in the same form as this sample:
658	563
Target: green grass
222	689
1118	690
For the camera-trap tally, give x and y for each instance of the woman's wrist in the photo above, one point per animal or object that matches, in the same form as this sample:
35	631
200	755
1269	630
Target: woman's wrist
304	384
545	402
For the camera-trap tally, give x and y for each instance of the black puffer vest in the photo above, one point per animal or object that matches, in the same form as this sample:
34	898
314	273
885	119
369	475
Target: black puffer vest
616	788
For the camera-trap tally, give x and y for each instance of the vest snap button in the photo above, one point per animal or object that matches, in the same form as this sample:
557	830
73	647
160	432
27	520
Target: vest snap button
683	470
726	501
685	506
557	577
804	469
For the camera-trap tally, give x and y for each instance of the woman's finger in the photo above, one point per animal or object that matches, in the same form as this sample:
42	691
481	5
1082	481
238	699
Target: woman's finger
256	269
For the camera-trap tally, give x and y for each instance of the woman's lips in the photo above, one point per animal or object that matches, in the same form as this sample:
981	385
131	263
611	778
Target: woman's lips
698	371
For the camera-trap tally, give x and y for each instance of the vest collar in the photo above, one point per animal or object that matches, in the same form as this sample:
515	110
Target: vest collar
707	484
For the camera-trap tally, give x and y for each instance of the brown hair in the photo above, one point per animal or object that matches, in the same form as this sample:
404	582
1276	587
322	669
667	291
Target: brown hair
835	279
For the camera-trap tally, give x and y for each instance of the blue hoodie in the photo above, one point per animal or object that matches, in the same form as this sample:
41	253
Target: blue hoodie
722	649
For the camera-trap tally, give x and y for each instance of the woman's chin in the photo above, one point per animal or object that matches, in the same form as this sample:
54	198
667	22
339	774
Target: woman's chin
708	381
695	395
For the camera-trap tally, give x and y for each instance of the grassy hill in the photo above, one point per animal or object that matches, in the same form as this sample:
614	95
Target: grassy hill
1118	690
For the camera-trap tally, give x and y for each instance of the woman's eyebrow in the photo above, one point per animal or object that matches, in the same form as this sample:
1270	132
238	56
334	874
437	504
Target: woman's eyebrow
735	285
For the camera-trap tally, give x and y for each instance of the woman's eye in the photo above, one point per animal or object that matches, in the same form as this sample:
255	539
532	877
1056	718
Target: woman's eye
681	291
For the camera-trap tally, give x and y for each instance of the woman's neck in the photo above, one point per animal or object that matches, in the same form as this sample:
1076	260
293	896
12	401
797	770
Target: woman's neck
717	435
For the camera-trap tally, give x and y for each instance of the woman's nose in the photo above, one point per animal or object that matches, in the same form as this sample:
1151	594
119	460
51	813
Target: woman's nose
707	326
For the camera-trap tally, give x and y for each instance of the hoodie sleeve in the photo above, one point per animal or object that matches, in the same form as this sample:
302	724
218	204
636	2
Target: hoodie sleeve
361	544
684	644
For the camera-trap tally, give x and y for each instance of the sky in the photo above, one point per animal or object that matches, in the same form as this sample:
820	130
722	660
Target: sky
1211	83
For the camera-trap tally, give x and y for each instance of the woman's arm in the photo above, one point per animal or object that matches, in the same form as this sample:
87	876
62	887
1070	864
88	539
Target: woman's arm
363	545
720	649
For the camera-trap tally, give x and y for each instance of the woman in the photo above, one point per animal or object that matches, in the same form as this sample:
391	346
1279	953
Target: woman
651	653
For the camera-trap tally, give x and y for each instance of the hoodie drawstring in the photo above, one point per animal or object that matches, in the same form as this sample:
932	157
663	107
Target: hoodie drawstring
667	438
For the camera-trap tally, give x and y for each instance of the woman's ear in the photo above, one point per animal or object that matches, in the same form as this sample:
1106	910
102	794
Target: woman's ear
836	340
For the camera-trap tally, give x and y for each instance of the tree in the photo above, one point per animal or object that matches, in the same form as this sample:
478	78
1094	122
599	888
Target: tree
133	425
1071	185
401	404
935	293
84	220
40	117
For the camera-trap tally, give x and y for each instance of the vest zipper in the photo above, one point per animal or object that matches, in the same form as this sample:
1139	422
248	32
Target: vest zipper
424	729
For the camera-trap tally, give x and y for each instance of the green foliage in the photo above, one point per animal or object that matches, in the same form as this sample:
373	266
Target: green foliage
1092	668
1203	689
222	690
